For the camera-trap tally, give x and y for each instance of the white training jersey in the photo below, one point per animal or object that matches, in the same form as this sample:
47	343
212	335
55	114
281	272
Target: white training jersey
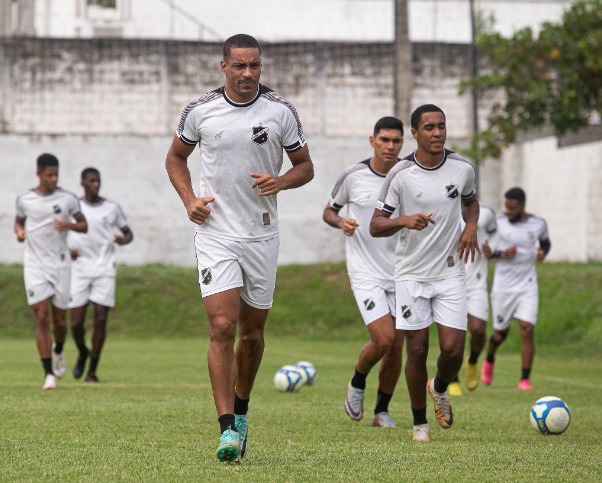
97	247
358	187
476	273
518	274
45	247
430	254
236	140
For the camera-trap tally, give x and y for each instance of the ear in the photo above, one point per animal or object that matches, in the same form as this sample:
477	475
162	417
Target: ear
223	65
414	133
372	141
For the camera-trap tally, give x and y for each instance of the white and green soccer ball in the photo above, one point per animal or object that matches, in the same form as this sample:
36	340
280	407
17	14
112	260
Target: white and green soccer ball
309	370
289	379
550	415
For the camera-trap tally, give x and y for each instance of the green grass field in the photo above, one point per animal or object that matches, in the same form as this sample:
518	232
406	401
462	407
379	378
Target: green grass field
152	417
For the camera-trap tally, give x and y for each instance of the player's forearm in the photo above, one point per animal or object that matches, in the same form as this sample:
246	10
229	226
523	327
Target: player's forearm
297	176
381	226
331	217
179	175
79	226
470	213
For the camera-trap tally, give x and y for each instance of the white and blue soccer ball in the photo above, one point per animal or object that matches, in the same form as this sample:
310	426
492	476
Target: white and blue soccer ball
550	415
309	370
288	379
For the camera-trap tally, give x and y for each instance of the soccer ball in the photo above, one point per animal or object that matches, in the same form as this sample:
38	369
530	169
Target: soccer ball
288	379
550	415
309	370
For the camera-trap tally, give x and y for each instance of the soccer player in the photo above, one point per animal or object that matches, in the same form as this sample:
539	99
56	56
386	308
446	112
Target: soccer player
93	270
515	292
478	302
429	188
370	264
242	129
44	216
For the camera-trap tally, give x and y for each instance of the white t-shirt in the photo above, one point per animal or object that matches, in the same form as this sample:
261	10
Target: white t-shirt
429	254
45	247
235	141
476	273
358	187
518	274
97	247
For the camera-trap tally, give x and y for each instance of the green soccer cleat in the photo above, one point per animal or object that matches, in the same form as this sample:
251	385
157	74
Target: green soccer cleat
241	426
229	446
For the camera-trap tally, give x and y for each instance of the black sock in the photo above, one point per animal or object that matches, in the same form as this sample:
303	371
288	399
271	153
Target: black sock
490	358
456	378
473	357
382	402
419	416
241	406
47	365
526	373
58	347
93	364
359	380
84	352
226	421
439	385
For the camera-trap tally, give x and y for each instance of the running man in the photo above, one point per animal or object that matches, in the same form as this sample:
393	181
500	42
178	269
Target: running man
431	188
242	129
515	292
93	270
370	264
478	302
43	219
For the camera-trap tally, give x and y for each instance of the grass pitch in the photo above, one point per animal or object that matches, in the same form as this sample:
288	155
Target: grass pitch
152	418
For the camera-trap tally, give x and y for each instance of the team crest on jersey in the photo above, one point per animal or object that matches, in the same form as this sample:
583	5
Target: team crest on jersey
369	303
56	209
260	134
453	190
206	276
406	311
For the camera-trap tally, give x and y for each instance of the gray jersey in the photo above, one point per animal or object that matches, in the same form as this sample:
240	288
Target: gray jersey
518	274
358	188
236	140
45	247
430	254
476	273
97	246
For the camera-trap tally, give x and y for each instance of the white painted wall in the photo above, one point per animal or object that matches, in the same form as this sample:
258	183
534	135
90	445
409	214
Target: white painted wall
284	20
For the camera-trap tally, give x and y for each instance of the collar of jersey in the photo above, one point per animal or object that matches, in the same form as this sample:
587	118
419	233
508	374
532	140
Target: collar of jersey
102	200
367	163
242	104
35	190
415	159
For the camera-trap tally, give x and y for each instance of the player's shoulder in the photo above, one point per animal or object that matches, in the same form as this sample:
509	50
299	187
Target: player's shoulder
536	219
66	194
271	96
30	193
459	159
487	210
402	165
362	166
205	99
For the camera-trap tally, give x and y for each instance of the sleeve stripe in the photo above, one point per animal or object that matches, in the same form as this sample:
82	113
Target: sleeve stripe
293	147
388	208
184	140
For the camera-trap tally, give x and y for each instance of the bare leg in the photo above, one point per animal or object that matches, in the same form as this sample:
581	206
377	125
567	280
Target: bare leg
417	347
451	343
78	330
527	332
496	340
249	350
478	334
382	336
390	366
101	314
223	311
59	318
41	311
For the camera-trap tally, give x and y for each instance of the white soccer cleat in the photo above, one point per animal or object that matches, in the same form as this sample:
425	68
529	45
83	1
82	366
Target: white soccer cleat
421	432
354	404
49	382
382	420
59	364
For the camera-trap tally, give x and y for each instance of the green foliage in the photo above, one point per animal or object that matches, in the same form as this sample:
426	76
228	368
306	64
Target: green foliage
554	79
152	418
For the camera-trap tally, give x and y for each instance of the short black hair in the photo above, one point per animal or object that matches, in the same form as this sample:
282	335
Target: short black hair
240	41
47	160
516	194
388	122
419	111
88	171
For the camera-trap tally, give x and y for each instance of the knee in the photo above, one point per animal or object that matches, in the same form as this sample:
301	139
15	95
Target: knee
222	329
527	330
251	338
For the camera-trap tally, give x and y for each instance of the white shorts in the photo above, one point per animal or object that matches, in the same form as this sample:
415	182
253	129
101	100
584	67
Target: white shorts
227	264
44	283
478	303
507	306
419	304
99	290
374	298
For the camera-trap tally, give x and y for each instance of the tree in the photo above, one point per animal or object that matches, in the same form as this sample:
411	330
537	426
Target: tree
553	80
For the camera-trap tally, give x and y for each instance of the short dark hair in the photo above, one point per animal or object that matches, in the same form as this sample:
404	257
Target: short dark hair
47	160
88	171
388	122
516	194
240	41
418	112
